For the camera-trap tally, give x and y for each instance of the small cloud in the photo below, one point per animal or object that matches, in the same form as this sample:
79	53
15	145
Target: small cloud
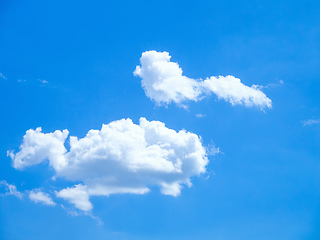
163	82
212	149
271	85
22	80
11	189
310	122
209	174
2	76
43	81
274	85
199	115
38	196
78	195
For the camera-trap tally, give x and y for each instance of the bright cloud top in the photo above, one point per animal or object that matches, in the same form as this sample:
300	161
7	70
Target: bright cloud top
164	83
78	195
120	158
38	196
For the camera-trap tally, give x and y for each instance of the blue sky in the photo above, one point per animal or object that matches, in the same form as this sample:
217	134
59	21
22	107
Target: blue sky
70	65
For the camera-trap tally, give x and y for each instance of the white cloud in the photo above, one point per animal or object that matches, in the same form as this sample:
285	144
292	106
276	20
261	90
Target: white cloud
11	189
43	81
2	76
270	85
120	158
164	83
38	196
231	89
310	122
212	149
78	195
37	147
199	115
274	85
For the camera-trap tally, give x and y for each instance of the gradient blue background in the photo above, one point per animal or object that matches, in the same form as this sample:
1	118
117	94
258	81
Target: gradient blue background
265	183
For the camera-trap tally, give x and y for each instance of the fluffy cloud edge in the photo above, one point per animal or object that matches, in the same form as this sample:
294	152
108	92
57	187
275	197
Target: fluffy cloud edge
163	82
121	158
78	196
38	196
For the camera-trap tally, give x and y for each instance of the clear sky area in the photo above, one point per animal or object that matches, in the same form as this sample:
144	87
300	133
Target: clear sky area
159	120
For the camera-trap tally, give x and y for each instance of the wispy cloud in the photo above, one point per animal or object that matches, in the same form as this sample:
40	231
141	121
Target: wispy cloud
2	76
212	149
310	122
270	85
43	81
199	115
11	189
274	85
74	212
38	196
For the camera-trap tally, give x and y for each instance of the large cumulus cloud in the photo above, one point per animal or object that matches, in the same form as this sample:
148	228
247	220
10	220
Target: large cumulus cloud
122	157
